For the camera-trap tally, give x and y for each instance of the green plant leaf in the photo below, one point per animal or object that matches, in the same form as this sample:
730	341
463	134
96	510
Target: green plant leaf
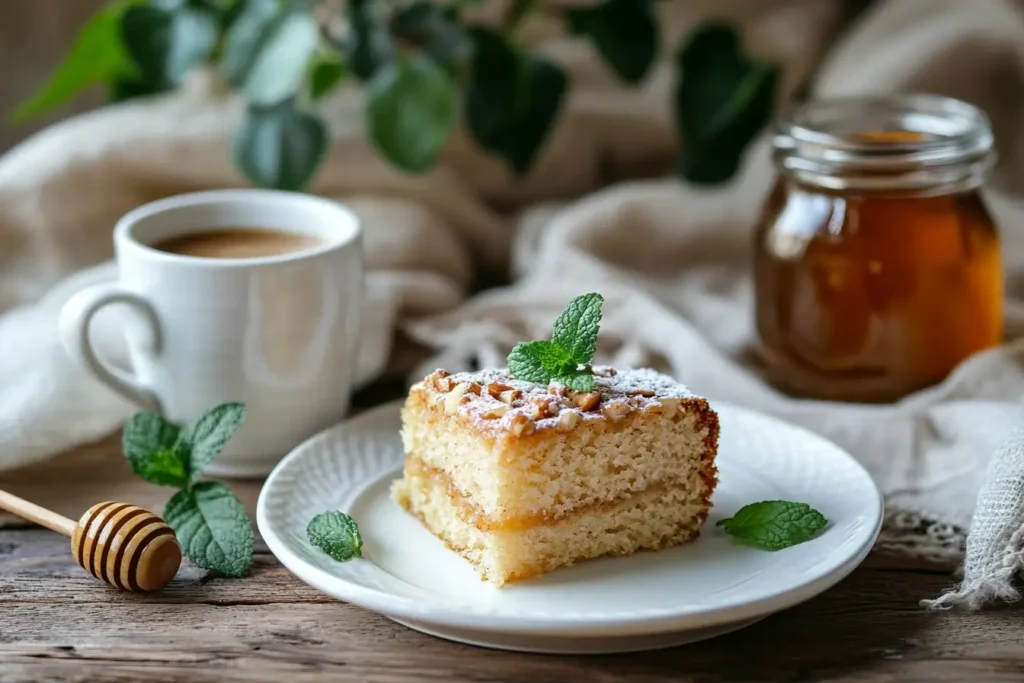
281	61
148	442
410	112
775	524
96	56
435	29
575	329
204	438
723	101
512	99
280	147
625	33
336	534
164	44
326	72
246	36
370	46
213	528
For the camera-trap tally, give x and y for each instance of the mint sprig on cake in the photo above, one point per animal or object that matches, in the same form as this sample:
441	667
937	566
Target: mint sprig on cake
567	356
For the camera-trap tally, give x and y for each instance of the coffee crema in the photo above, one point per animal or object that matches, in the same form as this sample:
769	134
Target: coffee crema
238	243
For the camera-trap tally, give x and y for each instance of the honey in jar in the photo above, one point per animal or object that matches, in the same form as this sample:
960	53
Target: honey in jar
877	265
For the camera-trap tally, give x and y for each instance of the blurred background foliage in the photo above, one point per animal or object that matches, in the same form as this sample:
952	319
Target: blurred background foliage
423	64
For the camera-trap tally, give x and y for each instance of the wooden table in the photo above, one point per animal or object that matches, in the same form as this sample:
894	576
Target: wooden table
58	624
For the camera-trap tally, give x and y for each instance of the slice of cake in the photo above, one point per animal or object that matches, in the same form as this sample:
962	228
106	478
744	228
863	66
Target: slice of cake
523	478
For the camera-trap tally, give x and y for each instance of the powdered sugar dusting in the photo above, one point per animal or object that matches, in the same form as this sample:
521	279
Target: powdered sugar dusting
495	401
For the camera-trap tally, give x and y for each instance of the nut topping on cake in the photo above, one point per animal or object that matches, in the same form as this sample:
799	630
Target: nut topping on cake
616	411
509	396
588	401
496	389
497	411
522	425
567	420
456	397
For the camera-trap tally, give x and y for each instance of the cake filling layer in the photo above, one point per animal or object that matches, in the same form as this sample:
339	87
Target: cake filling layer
652	520
699	484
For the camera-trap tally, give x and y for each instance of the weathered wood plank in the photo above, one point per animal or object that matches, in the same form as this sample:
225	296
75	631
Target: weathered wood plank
270	627
869	628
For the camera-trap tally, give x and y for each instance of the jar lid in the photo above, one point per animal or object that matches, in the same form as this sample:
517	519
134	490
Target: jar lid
926	144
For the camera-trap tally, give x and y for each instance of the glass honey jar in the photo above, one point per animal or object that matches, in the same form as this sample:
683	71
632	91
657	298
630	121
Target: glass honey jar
877	266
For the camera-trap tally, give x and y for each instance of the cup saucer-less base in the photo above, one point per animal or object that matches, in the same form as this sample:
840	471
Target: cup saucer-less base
646	601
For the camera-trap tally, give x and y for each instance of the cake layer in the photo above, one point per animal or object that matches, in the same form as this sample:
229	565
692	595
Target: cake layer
470	513
658	518
630	439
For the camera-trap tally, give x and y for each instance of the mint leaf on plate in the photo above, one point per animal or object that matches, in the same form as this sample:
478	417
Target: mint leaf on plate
775	524
212	527
148	444
336	534
204	439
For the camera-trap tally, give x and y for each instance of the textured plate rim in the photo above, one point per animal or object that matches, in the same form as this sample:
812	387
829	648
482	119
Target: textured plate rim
680	618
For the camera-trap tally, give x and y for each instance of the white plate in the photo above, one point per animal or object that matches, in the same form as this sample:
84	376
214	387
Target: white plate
648	600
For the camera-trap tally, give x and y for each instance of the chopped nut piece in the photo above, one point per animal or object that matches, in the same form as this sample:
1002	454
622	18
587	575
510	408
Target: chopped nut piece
669	406
616	411
560	390
496	411
567	420
646	393
474	388
441	373
442	384
522	426
456	397
495	389
588	401
509	396
604	371
544	407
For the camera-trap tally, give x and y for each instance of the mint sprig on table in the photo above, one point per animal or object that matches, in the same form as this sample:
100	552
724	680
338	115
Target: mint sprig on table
567	356
775	524
209	520
336	534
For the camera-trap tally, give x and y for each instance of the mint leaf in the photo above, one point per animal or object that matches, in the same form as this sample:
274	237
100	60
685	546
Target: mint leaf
576	328
203	440
212	527
336	534
582	381
539	362
148	444
775	524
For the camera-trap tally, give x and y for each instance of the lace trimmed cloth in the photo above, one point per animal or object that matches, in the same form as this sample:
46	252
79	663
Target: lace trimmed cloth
995	547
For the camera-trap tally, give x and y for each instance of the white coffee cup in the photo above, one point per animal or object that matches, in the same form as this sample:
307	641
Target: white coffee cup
278	333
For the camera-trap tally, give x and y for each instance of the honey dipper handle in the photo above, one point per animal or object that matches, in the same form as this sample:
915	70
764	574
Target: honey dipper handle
34	513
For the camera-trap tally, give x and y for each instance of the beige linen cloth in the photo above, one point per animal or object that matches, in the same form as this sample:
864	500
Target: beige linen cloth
670	258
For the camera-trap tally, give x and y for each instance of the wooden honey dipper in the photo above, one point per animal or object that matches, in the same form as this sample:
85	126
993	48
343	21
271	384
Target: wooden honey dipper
120	544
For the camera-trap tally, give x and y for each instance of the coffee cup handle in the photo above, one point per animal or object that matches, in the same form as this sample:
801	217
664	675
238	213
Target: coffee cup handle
75	319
